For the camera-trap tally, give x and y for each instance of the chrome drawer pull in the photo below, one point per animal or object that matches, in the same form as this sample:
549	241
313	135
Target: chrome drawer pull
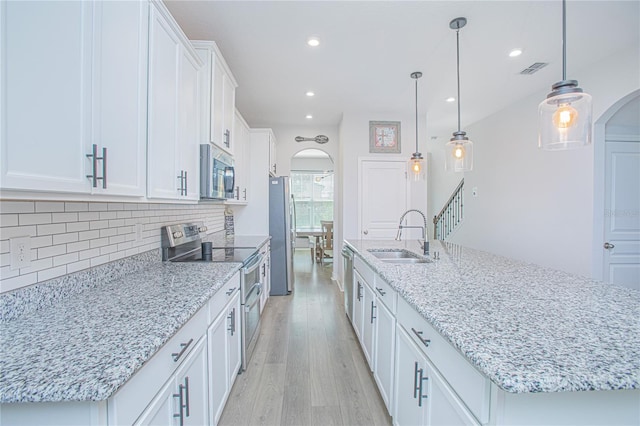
424	341
230	291
381	291
176	356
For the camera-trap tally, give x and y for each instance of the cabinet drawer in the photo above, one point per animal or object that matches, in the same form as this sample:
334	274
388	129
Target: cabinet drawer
364	269
127	404
386	294
223	296
471	386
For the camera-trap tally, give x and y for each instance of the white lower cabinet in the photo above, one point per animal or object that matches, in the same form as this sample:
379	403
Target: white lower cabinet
368	336
358	303
224	355
384	353
183	400
421	395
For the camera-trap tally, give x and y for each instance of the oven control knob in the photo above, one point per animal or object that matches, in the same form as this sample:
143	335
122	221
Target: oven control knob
202	229
178	234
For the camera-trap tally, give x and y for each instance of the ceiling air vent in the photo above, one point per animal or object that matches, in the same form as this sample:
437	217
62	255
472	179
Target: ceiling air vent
534	68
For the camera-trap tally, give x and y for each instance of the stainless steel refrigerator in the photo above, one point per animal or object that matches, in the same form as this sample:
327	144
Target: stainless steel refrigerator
282	231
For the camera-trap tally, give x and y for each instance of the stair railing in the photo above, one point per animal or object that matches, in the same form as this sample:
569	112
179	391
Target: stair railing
451	215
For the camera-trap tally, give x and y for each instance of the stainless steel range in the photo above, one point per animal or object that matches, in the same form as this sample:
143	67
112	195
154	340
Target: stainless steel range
183	243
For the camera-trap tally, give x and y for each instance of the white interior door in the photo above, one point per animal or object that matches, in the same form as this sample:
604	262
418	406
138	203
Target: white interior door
621	243
382	197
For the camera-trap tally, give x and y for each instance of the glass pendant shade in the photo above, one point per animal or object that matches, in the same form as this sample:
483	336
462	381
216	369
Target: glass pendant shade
564	118
459	153
416	165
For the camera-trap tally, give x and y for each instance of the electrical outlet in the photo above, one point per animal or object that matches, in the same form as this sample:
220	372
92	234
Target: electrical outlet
138	232
20	250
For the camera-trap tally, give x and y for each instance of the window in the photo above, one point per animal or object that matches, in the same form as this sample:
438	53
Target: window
313	195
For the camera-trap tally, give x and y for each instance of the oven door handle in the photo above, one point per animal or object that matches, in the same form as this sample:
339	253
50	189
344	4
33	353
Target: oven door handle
253	264
248	308
256	288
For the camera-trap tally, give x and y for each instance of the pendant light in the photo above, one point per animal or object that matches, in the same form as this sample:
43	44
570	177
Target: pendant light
564	118
459	150
416	163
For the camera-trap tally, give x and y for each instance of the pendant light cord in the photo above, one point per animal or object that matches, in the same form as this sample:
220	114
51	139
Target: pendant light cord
416	115
458	71
564	40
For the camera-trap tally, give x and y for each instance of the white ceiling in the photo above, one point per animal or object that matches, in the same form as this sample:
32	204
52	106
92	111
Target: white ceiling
369	49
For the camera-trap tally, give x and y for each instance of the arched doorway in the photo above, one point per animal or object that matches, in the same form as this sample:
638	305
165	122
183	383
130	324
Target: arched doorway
312	189
616	248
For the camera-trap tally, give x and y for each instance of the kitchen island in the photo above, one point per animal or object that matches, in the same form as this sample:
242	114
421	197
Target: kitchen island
532	331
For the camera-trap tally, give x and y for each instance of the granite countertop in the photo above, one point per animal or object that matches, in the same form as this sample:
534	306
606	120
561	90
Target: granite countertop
525	327
86	345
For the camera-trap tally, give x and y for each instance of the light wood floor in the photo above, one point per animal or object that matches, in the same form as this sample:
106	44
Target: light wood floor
308	368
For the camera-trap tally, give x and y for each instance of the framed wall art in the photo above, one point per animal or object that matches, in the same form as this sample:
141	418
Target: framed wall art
384	136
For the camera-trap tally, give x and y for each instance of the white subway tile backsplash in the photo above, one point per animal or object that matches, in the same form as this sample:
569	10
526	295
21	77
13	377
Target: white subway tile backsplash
76	207
34	218
79	246
88	235
17	207
64	217
9	220
71	236
65	259
55	228
47	274
17	282
17	231
84	216
77	226
49	206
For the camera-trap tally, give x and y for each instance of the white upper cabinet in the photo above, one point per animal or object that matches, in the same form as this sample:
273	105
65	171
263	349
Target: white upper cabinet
218	97
242	165
173	143
74	75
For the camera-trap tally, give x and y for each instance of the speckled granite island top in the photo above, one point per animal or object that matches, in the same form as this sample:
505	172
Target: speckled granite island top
84	346
527	328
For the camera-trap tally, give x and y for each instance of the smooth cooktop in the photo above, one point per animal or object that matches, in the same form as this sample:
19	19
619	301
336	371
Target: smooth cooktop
219	255
237	241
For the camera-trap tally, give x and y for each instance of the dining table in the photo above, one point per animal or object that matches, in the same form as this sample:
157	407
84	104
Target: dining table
312	232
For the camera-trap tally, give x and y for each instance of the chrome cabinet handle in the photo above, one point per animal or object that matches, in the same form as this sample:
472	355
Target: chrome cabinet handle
608	245
227	138
238	193
420	395
186	394
181	177
232	321
186	185
424	341
94	166
244	194
415	380
230	291
372	308
359	295
181	405
381	291
176	356
366	232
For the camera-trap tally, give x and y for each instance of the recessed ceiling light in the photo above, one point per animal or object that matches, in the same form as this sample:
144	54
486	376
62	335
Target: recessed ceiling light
309	116
310	94
515	52
451	99
313	41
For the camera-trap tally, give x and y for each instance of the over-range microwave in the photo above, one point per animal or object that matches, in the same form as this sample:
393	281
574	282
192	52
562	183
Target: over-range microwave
217	176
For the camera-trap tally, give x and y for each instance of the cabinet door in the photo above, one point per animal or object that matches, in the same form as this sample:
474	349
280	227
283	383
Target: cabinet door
385	339
368	324
409	408
46	95
162	409
234	341
164	60
120	94
228	105
188	145
217	104
192	376
444	406
218	362
358	303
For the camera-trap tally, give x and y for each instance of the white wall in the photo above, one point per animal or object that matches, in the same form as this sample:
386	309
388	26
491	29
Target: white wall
533	205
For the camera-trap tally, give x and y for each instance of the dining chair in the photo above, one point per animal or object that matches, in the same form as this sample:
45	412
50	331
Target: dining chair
326	241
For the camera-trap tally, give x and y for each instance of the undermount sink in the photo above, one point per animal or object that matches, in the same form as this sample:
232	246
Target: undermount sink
398	256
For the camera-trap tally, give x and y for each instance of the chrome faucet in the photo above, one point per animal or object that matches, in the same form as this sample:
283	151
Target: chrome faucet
425	242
